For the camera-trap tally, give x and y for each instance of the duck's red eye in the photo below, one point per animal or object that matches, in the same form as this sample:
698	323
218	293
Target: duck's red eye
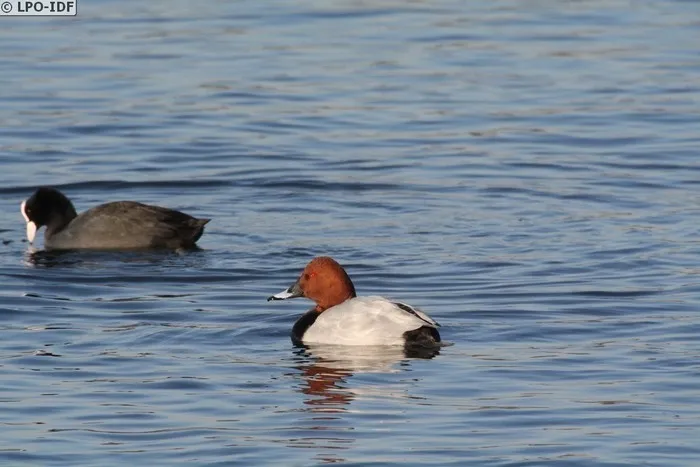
313	274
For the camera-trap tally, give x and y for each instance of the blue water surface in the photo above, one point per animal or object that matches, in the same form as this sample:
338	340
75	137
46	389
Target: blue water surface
526	172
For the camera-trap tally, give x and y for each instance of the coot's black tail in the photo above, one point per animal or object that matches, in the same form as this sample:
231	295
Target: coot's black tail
196	230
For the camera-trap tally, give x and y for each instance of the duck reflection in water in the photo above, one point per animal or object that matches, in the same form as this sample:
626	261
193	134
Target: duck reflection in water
329	367
325	383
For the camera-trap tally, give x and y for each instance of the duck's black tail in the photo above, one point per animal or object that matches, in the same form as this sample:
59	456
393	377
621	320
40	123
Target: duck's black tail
423	342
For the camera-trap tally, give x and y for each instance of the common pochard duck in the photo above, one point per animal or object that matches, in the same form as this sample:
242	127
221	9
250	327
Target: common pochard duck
341	317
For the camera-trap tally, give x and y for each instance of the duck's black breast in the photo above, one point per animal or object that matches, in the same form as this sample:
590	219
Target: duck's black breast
302	324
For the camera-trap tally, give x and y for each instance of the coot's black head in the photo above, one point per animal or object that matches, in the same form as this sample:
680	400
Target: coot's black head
49	207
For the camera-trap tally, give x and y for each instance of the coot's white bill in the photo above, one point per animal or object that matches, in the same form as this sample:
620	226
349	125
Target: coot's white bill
22	208
31	226
31	231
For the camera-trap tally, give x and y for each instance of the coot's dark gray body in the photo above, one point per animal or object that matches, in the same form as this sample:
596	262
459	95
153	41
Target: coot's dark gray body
126	225
116	225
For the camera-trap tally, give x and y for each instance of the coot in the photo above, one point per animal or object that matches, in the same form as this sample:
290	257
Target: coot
116	225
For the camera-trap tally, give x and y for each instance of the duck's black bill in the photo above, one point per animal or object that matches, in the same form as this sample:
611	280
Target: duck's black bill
292	292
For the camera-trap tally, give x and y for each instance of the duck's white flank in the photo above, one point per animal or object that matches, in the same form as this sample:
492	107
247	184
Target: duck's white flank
365	321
